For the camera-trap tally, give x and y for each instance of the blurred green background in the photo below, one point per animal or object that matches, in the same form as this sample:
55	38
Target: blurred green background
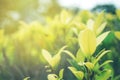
20	49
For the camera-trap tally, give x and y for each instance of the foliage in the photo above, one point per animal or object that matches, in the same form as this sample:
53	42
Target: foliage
80	45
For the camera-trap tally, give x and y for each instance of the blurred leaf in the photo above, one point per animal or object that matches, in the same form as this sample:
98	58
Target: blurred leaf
53	61
80	57
61	50
101	28
70	54
1	36
65	17
89	65
98	21
52	77
75	64
104	75
47	55
101	55
61	73
27	78
90	24
106	62
101	37
117	34
87	42
118	13
79	74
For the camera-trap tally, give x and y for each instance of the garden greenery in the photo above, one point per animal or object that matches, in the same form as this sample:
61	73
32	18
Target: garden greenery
75	39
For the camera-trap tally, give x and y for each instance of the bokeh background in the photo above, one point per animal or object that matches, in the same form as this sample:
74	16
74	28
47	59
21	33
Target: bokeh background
14	12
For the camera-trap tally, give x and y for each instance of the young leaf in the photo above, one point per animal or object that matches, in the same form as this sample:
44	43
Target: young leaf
53	61
1	36
89	65
80	57
101	28
104	75
26	78
106	62
70	54
102	37
90	24
65	17
98	20
87	42
52	77
61	73
100	56
117	34
61	50
47	55
79	74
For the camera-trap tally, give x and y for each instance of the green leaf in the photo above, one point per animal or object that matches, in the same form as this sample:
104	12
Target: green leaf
61	73
101	28
117	34
98	20
80	57
53	61
47	55
90	24
26	78
104	75
106	62
52	77
70	54
118	13
87	42
65	17
79	74
89	65
102	37
100	56
56	58
61	50
74	64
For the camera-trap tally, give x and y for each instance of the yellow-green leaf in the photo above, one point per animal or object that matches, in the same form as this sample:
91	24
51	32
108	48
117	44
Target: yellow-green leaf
26	78
79	74
87	41
47	55
52	77
80	57
101	55
104	75
90	24
117	34
101	28
70	54
106	62
55	60
1	36
102	37
98	20
89	65
61	73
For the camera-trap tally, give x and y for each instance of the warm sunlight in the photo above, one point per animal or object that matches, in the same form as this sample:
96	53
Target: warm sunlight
59	39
